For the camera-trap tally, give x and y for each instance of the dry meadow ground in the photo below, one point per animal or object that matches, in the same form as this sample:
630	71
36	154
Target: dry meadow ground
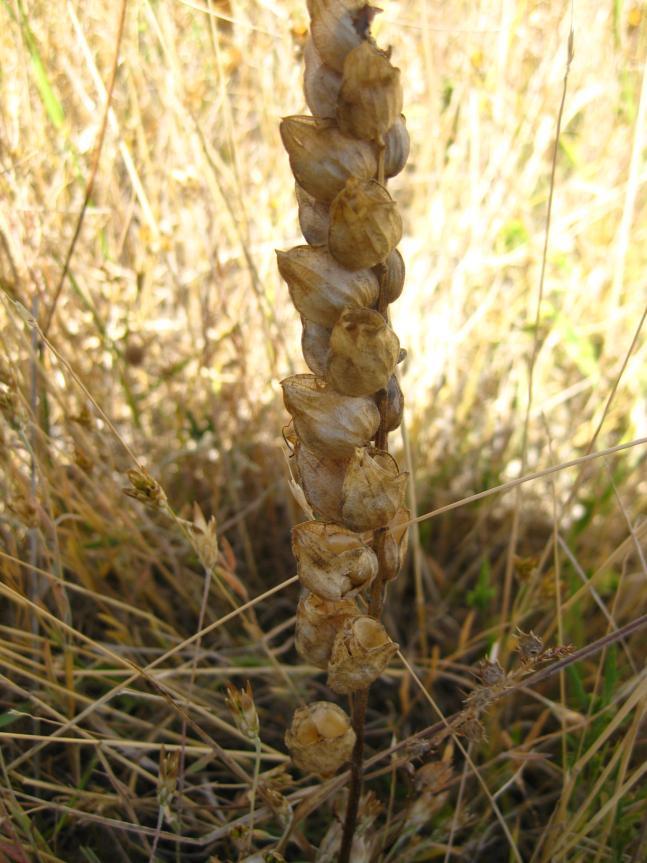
143	325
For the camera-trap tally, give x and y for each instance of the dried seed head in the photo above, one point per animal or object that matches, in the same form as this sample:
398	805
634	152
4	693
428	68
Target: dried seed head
373	490
321	288
370	99
145	489
364	224
322	158
393	277
321	480
241	704
321	84
327	423
318	621
314	219
332	562
364	351
315	343
337	26
394	404
320	738
397	146
360	653
530	645
490	672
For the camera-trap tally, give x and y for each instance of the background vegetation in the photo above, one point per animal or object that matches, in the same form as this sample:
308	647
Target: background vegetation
160	345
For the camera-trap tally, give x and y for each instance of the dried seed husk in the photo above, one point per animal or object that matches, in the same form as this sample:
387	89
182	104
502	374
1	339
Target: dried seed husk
322	158
327	422
332	562
373	490
397	146
315	344
317	624
400	533
360	653
314	217
394	404
392	276
321	84
363	353
370	98
321	288
320	738
336	28
321	480
364	224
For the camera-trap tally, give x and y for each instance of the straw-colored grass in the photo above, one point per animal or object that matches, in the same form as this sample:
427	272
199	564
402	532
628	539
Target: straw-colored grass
122	620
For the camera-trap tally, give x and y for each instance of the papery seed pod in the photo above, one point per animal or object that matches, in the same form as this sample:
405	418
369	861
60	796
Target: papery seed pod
363	353
390	560
315	344
336	28
364	224
321	84
326	422
360	653
373	490
314	218
370	99
397	146
321	288
332	562
320	738
399	529
318	621
393	276
321	480
322	158
394	404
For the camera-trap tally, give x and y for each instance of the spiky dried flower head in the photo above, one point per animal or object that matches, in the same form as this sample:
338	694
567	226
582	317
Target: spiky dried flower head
360	653
326	422
322	158
332	561
321	288
320	738
365	224
490	672
370	98
529	645
145	489
373	490
318	622
363	353
241	704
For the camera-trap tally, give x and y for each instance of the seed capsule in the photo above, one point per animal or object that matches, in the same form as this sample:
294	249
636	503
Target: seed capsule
315	344
363	353
393	276
320	738
394	404
397	146
321	288
332	562
370	99
318	621
336	28
361	651
321	480
373	490
322	158
321	84
314	218
364	224
326	422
